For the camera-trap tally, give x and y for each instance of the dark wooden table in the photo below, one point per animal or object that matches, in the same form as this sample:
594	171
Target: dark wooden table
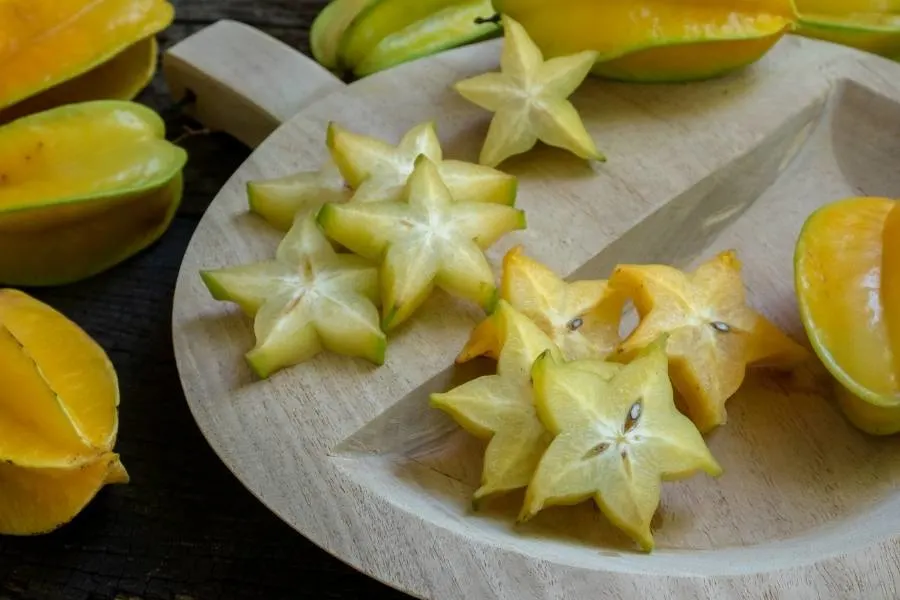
184	528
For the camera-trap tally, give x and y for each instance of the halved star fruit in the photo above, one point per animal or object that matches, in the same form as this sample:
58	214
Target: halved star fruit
712	330
307	300
847	277
429	240
615	439
280	200
529	100
582	317
499	407
378	171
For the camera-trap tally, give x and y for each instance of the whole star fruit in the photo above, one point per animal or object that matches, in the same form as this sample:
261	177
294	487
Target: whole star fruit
428	240
581	317
308	299
713	332
615	439
378	171
847	279
529	100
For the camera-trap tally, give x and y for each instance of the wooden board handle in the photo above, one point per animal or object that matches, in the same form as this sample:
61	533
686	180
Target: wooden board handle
246	83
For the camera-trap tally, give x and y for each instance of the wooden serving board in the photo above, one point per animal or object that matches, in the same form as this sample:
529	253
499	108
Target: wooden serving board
352	457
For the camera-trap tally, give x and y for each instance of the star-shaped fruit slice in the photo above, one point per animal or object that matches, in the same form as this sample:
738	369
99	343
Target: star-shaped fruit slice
378	171
529	99
500	407
280	200
307	300
582	317
428	240
714	333
616	439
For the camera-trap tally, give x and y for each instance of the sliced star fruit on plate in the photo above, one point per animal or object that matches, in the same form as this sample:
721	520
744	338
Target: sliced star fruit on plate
427	240
582	317
378	171
308	299
529	99
615	440
714	333
280	200
499	407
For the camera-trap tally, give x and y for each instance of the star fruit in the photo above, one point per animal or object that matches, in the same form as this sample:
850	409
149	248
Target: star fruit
500	408
529	99
582	317
428	240
615	439
378	171
306	300
715	335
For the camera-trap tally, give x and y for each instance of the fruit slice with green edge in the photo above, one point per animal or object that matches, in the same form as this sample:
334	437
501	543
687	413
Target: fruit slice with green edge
430	240
307	300
869	25
449	27
616	439
328	28
280	200
378	171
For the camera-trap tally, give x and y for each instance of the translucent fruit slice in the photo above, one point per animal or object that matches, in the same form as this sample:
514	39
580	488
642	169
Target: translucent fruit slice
307	300
529	100
280	200
60	393
35	501
499	407
378	171
582	318
616	438
429	240
847	277
710	325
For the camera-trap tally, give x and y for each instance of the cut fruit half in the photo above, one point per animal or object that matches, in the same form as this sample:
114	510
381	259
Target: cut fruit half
847	276
449	27
710	327
499	407
307	300
615	439
430	240
582	317
379	171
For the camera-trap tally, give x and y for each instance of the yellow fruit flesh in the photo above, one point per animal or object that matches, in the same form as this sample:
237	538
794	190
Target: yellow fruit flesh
847	269
120	78
869	25
46	42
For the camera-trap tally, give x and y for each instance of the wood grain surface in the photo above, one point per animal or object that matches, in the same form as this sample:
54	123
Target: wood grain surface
184	528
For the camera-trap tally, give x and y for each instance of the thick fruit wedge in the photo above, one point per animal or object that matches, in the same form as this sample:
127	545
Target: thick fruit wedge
379	171
307	300
656	40
870	25
67	213
279	201
449	27
847	275
529	100
45	43
329	27
711	329
582	318
429	240
616	439
499	407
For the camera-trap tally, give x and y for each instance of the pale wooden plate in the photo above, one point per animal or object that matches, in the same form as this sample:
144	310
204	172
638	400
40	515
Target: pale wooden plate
352	457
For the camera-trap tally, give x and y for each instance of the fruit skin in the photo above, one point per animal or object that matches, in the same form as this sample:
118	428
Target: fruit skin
50	42
656	41
328	29
867	34
67	214
847	279
446	28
